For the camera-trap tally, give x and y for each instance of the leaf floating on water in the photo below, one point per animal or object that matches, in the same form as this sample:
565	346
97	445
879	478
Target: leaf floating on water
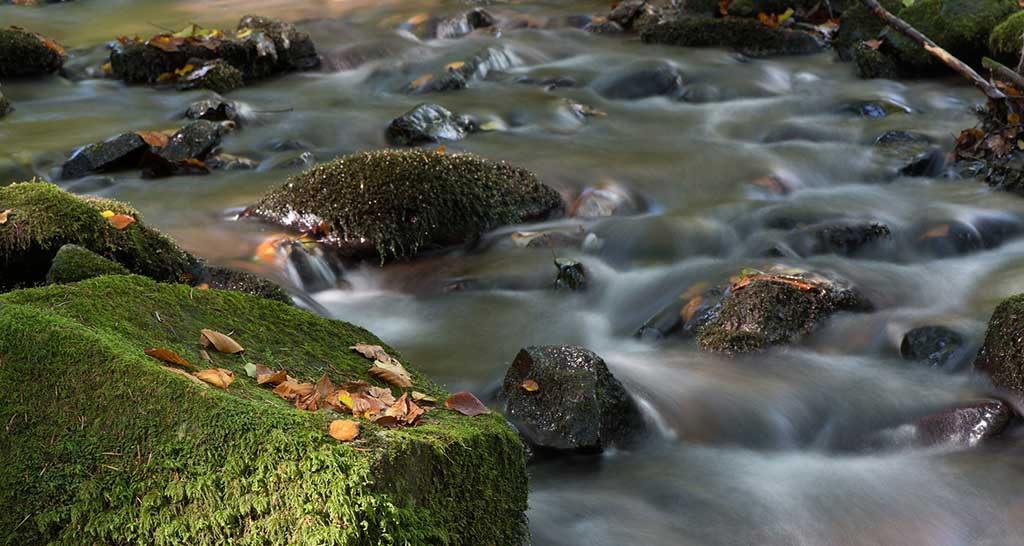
183	373
222	342
465	403
3	216
530	386
121	221
344	430
169	356
421	397
218	377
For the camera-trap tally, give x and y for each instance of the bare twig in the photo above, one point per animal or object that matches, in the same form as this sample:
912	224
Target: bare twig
1020	63
904	28
1003	72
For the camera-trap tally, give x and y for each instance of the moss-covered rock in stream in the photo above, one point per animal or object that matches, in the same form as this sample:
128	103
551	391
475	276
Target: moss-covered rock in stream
217	76
74	263
1006	41
1002	354
396	203
24	53
764	310
261	47
104	446
44	218
858	24
225	278
748	36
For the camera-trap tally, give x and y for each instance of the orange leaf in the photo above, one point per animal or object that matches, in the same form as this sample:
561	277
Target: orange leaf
169	356
935	233
771	21
222	342
530	386
3	216
218	377
154	139
1013	118
465	403
873	43
344	430
264	375
121	221
691	308
183	373
291	390
421	81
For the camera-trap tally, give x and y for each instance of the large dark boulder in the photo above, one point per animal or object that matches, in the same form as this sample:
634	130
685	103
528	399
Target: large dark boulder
748	36
428	123
24	53
395	203
564	398
123	151
1002	354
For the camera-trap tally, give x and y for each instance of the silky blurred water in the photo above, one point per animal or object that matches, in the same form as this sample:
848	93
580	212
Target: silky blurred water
759	450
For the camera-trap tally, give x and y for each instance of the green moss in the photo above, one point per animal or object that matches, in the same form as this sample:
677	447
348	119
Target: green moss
1006	39
395	203
74	263
1002	354
102	446
700	7
217	76
225	278
962	27
23	53
747	35
872	63
857	24
45	218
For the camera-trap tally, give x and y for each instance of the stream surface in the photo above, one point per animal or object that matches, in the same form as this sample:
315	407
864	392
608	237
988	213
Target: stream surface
746	451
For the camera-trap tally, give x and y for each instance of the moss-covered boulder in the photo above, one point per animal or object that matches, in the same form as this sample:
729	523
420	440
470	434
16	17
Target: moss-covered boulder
44	218
1002	354
102	445
1007	38
217	76
260	47
225	278
961	27
858	24
395	203
24	53
748	36
74	263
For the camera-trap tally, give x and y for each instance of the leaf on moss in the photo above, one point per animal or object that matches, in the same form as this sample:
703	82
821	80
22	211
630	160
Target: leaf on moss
121	221
250	369
380	393
465	403
385	367
344	430
3	216
183	373
205	355
266	376
292	390
530	385
366	406
222	342
107	213
422	397
169	356
218	377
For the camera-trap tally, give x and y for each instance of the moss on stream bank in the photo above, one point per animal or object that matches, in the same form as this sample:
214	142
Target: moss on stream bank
102	446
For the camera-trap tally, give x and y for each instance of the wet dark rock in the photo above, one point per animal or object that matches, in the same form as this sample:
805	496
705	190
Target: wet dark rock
859	24
5	105
428	123
450	27
579	405
226	278
459	74
604	27
217	76
845	237
123	151
964	426
230	162
193	141
212	110
626	12
685	314
301	160
873	109
74	263
1002	173
571	275
396	203
268	47
872	63
762	310
748	36
914	154
24	53
663	80
949	238
933	345
604	200
1002	354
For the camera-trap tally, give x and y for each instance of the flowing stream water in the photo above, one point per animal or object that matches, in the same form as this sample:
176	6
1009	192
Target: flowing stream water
746	451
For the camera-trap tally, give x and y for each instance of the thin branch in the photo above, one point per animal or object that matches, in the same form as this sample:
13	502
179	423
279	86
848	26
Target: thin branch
931	47
1003	72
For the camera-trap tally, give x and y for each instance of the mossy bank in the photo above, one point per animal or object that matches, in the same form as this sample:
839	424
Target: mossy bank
103	446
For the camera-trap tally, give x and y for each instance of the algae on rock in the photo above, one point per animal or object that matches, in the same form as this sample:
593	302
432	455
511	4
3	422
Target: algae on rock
395	203
1006	41
103	446
74	263
1002	354
748	36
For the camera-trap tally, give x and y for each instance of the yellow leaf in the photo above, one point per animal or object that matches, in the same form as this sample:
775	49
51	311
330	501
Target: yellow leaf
243	34
418	18
421	397
786	15
107	68
3	216
421	81
165	77
222	342
491	126
218	377
455	66
344	430
183	70
107	213
530	386
345	399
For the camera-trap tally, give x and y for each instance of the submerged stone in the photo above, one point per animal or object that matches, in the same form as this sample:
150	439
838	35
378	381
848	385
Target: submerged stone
933	345
457	26
74	263
396	203
748	36
123	151
840	237
578	404
428	123
24	53
149	456
963	426
662	80
1002	354
212	110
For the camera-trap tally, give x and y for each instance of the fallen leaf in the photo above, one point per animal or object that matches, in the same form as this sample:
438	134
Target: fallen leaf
241	35
51	45
388	421
391	372
153	138
786	15
183	373
373	352
205	355
107	213
344	430
440	149
218	377
421	81
418	18
421	397
365	406
465	403
325	387
250	369
291	390
1013	118
345	399
770	21
3	216
455	66
399	409
169	356
935	232
355	386
107	68
873	43
490	126
530	386
691	308
121	221
222	342
382	394
265	375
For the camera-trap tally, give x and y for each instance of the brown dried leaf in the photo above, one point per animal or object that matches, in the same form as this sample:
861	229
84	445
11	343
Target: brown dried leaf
388	421
291	390
153	138
421	81
935	232
373	352
205	355
183	373
399	409
393	373
169	356
325	387
266	376
530	386
218	377
120	221
355	386
382	394
465	403
691	308
873	43
222	342
3	216
365	406
344	430
309	402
